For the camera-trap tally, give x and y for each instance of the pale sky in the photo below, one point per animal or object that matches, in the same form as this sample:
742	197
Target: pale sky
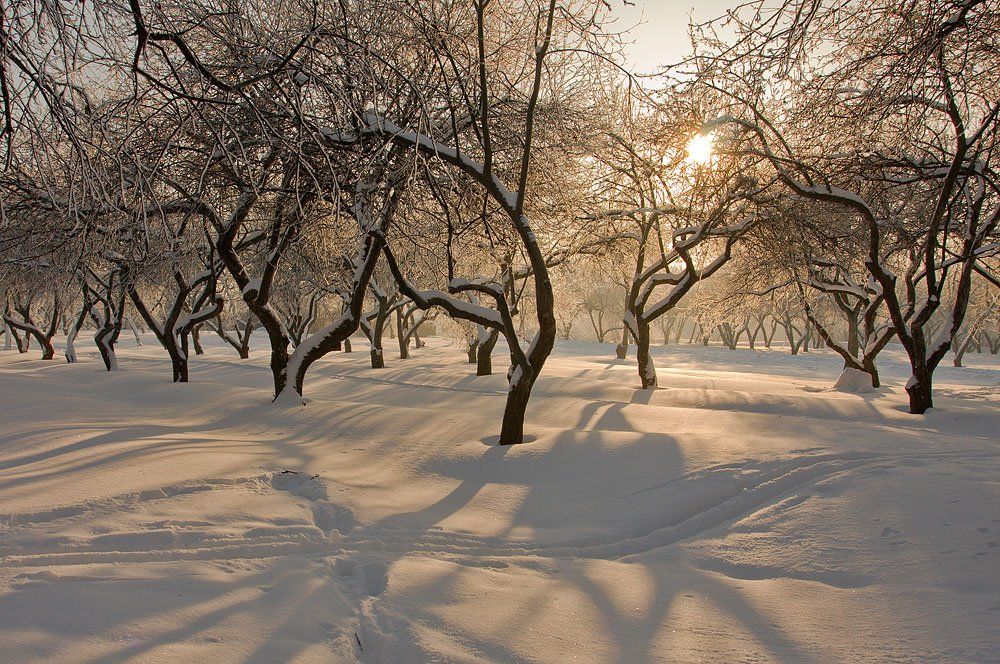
662	38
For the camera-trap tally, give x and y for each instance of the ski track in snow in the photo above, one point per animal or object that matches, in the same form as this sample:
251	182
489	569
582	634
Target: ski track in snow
358	554
168	542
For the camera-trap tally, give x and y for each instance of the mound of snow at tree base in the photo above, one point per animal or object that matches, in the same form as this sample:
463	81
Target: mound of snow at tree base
854	381
742	513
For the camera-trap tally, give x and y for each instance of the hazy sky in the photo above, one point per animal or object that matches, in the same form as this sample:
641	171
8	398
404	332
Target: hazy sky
662	38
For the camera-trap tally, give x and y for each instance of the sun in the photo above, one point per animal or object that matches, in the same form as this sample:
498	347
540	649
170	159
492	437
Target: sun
700	149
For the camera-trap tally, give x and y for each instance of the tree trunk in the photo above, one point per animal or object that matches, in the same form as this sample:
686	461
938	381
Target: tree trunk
109	327
919	390
961	350
793	347
105	340
694	332
70	352
679	331
769	338
753	334
279	351
868	366
179	366
728	335
378	360
29	329
647	370
19	341
993	343
666	326
74	331
135	331
806	337
484	361
853	337
244	344
321	343
512	429
472	348
196	341
48	350
241	343
401	338
621	350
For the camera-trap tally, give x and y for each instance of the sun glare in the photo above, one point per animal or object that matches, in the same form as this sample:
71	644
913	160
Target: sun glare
700	149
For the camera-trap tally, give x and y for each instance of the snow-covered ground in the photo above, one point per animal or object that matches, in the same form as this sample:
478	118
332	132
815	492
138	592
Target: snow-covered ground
743	512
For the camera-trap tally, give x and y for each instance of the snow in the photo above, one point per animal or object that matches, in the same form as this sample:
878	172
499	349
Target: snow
850	289
289	398
944	337
253	286
854	381
472	311
837	192
482	285
742	512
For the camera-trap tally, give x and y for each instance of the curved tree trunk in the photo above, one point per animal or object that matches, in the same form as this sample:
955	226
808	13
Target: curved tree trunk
196	341
647	369
109	327
868	366
962	348
21	343
323	341
105	338
74	329
512	428
48	350
30	329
